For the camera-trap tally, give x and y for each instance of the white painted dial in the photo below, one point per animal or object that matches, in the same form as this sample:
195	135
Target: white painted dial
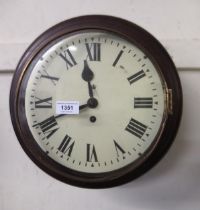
130	95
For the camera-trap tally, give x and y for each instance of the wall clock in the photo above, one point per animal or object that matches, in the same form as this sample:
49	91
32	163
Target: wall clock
95	101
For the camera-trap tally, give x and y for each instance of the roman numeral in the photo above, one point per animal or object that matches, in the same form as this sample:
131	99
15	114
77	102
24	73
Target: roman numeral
143	102
118	148
66	145
91	153
68	58
43	103
51	78
136	77
136	128
48	126
117	58
93	51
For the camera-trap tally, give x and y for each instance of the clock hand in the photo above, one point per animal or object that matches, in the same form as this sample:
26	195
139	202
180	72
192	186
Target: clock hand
90	90
88	75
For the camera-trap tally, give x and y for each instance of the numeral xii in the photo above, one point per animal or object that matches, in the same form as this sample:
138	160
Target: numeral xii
93	51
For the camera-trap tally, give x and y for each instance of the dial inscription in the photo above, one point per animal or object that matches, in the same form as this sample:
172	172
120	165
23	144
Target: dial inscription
66	145
143	102
93	51
118	148
91	153
136	77
136	128
43	103
48	126
118	57
51	78
67	56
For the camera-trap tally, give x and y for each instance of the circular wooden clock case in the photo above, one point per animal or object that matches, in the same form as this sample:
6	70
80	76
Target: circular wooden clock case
125	90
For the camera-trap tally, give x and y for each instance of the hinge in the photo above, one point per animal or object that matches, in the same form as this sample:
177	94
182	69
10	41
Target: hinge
169	102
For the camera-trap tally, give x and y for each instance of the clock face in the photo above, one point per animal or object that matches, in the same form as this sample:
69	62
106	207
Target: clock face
94	102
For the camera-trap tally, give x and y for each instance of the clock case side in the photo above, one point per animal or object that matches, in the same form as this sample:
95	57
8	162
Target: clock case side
150	46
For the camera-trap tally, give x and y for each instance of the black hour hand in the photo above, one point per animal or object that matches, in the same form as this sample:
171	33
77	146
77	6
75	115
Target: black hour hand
90	90
87	73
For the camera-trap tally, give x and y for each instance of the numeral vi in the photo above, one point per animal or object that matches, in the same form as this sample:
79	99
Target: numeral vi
91	153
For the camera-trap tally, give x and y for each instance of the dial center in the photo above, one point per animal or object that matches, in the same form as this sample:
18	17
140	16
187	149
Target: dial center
92	103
